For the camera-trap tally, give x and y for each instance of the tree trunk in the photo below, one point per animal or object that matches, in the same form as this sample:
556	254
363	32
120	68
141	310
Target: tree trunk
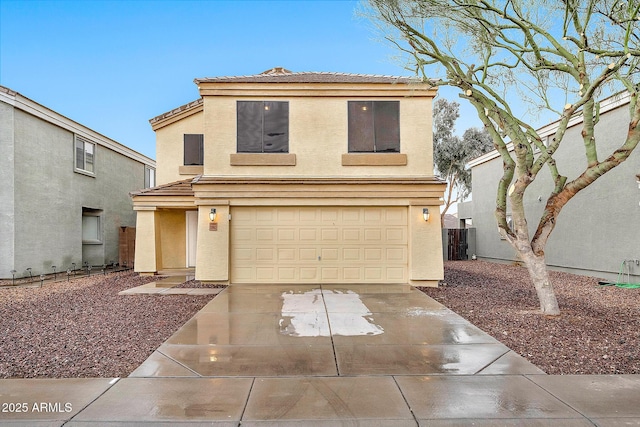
537	268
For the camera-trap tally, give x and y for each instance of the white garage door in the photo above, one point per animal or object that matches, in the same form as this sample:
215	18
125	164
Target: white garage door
319	245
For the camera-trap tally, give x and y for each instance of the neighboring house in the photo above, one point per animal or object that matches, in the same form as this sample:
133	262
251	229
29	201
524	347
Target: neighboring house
598	229
451	221
65	190
296	178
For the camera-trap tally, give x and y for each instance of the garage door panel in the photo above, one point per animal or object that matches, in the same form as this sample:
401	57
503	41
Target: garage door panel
319	244
352	254
329	273
309	234
265	273
308	254
396	235
265	254
373	215
309	274
329	234
264	234
351	235
372	235
286	235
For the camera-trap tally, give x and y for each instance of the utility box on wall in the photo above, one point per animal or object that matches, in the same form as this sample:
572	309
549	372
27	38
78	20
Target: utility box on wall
127	238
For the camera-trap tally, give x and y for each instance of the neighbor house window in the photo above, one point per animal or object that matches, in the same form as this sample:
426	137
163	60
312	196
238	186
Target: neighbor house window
149	177
84	153
263	127
374	126
91	226
193	149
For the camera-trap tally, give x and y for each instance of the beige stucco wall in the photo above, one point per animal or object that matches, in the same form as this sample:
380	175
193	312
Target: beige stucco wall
425	247
170	146
145	255
212	256
318	135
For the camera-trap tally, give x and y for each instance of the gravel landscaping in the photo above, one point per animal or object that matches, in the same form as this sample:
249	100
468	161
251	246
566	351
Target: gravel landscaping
598	331
83	328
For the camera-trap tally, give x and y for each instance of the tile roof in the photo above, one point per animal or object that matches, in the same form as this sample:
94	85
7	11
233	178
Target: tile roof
176	188
176	110
282	75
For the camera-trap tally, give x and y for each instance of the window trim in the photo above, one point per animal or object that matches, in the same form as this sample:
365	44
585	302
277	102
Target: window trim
79	139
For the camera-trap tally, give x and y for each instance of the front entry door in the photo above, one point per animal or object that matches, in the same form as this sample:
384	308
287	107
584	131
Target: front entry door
192	237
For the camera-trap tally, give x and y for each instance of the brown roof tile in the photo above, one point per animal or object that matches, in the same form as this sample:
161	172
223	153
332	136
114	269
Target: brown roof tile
282	75
176	110
177	188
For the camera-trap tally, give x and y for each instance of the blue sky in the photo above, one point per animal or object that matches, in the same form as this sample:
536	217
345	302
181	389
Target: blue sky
113	65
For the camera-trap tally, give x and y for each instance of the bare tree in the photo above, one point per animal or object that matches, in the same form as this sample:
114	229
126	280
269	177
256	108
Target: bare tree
451	153
560	55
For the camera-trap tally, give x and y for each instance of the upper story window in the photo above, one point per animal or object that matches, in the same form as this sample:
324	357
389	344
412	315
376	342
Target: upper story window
193	149
84	155
374	126
263	127
149	177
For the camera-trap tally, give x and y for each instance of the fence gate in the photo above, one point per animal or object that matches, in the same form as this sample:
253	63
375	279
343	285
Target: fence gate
457	244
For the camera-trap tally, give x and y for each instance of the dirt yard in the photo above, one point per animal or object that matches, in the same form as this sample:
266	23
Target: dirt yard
83	328
598	331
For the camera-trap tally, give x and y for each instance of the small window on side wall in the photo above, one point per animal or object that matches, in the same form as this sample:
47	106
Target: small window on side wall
84	155
193	149
91	226
263	127
149	177
374	126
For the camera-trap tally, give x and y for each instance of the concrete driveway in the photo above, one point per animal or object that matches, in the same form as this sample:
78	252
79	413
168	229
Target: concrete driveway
329	355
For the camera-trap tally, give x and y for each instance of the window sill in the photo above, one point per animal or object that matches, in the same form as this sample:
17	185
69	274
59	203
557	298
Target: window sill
84	172
191	170
91	242
262	159
374	159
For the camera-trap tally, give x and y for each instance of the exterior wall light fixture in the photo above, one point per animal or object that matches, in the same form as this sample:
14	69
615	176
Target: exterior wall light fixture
425	214
638	180
213	214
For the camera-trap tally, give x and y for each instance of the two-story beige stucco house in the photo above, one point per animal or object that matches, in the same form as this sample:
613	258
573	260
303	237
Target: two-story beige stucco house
286	177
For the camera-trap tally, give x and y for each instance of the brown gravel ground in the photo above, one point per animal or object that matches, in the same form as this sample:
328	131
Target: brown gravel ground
83	328
598	331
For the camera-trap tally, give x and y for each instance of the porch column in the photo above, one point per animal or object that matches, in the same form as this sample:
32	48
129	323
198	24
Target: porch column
146	241
212	256
425	251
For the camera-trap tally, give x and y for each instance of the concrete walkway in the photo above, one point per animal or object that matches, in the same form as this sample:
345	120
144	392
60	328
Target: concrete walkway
329	355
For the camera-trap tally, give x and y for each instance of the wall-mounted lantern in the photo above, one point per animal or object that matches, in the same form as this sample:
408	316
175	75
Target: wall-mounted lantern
213	215
425	214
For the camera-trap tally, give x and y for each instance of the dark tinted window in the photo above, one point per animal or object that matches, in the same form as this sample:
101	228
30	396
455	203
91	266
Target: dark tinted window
263	127
193	149
374	126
